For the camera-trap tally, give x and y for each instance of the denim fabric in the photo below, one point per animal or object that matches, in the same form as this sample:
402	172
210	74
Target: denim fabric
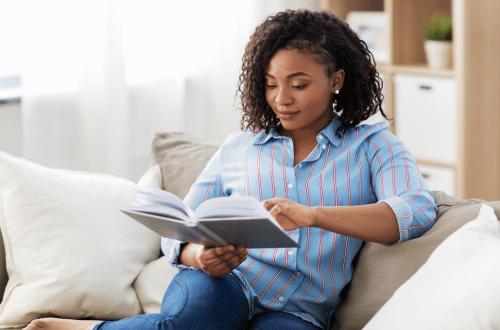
279	321
195	300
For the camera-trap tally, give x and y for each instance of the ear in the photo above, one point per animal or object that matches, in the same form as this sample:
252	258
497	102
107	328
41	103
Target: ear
337	80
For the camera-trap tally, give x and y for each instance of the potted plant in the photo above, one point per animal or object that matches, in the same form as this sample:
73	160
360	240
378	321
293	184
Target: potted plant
438	46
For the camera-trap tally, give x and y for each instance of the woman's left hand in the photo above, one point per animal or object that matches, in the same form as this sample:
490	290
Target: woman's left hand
290	215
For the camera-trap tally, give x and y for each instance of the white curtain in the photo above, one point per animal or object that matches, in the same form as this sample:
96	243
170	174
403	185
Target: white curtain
101	77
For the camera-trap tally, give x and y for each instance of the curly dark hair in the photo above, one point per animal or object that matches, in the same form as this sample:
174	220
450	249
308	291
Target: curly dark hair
313	32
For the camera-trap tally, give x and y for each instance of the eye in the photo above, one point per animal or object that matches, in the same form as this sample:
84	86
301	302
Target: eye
270	86
299	87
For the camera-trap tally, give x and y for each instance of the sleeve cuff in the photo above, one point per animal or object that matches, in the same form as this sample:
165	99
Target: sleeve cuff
171	248
404	216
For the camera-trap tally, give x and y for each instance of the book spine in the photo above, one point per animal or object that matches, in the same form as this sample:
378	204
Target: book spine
210	234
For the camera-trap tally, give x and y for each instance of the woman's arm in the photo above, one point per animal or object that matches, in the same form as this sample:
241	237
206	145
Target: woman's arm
372	222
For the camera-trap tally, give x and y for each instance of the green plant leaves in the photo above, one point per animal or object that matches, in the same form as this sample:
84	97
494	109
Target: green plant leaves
439	28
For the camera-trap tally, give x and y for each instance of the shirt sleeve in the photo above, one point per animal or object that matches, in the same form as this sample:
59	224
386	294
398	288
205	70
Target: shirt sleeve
206	186
397	181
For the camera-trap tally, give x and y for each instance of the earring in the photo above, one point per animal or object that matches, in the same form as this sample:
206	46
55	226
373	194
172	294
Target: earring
337	91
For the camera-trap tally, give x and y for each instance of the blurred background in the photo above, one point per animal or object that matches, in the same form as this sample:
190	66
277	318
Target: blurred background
84	85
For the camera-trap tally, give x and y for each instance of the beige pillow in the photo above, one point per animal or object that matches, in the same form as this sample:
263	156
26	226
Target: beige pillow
182	157
70	252
381	268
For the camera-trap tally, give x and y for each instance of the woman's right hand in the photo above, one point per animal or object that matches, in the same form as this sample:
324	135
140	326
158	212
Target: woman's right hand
217	261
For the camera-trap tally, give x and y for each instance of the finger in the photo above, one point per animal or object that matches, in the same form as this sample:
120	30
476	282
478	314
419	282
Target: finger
268	204
215	252
242	251
277	209
219	270
216	256
230	258
234	262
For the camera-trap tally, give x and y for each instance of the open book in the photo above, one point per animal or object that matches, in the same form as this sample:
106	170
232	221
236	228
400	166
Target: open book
239	221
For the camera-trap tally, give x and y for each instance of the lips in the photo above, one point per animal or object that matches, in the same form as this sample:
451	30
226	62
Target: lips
284	115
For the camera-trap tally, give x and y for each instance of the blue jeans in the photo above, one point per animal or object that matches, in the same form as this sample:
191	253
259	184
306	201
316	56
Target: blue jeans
195	300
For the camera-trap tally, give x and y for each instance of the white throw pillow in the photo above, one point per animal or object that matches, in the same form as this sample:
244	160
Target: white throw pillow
70	252
152	283
152	178
153	280
457	288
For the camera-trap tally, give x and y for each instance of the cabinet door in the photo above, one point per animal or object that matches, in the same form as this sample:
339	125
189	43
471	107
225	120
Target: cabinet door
425	116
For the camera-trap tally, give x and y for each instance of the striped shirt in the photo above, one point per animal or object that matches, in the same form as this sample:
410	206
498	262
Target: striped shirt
366	164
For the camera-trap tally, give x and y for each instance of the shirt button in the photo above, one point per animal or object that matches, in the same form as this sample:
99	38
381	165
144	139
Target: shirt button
290	185
300	165
321	137
290	253
324	146
281	299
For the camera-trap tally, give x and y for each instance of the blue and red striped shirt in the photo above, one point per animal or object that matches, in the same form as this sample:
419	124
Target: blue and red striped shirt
366	164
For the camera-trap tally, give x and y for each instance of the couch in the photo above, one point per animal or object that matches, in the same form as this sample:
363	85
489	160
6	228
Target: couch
69	252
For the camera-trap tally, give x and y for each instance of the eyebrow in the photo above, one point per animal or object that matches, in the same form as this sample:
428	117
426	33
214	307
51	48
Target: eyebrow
293	75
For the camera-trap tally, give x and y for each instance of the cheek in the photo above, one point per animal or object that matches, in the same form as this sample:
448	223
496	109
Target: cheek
270	98
319	99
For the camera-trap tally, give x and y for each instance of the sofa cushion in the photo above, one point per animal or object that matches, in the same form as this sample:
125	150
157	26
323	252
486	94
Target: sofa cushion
457	287
182	157
152	283
70	252
382	268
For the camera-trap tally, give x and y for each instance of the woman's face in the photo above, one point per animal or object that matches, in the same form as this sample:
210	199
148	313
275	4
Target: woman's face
300	92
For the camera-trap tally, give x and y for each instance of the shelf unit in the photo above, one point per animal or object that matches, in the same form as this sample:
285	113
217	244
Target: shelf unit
476	71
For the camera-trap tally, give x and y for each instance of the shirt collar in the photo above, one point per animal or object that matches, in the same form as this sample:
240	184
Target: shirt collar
262	137
329	132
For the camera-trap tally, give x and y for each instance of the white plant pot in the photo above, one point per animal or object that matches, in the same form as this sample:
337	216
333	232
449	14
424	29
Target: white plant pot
439	54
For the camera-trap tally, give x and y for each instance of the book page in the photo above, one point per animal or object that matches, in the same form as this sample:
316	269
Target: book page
161	202
232	207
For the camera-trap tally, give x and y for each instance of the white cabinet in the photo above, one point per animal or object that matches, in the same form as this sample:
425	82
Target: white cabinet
425	114
439	178
426	121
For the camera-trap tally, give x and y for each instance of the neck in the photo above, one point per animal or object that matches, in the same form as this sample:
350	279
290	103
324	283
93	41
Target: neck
307	134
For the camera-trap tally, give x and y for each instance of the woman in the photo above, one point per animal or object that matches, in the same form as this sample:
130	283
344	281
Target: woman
307	82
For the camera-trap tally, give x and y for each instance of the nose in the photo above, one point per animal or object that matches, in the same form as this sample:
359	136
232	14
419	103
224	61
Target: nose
282	96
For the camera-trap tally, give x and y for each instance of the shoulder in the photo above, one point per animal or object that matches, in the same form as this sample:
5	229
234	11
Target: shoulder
238	139
378	133
377	138
250	137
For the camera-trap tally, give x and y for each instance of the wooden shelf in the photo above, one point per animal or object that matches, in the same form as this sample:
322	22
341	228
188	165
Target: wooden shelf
434	163
475	70
418	69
